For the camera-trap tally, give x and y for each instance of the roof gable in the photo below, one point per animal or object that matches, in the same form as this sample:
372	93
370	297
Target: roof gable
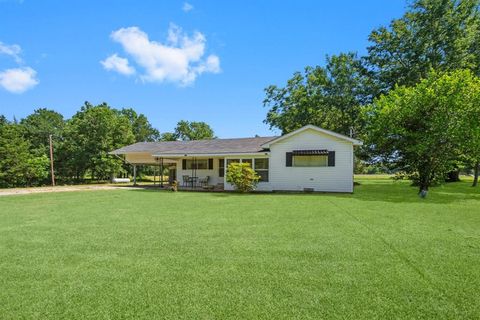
355	142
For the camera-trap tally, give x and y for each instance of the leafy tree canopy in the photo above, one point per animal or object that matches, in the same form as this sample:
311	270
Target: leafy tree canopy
433	34
420	130
329	97
3	120
142	128
90	135
18	166
168	136
39	125
186	130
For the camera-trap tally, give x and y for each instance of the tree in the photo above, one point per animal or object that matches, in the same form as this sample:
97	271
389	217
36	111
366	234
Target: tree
39	125
420	130
142	128
168	136
433	34
442	35
89	136
328	97
3	120
18	167
186	131
469	131
242	176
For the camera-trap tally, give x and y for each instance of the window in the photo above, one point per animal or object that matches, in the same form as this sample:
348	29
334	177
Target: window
261	168
199	164
249	161
260	165
310	161
230	161
221	168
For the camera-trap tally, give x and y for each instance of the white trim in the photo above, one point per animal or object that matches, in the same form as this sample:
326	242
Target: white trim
355	142
183	155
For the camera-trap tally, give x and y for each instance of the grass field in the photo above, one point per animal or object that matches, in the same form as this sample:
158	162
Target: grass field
380	253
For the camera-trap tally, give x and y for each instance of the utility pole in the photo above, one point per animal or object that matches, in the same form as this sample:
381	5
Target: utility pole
51	161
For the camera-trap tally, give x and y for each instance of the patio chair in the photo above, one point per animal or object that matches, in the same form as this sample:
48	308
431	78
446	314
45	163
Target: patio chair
204	181
185	180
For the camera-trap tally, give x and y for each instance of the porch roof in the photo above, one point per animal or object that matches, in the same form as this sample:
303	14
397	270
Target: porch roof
197	147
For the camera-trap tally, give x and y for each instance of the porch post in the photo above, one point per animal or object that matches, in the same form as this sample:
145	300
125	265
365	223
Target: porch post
224	172
161	172
155	174
134	174
193	174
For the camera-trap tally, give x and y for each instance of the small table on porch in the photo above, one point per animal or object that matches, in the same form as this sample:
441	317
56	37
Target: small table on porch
193	181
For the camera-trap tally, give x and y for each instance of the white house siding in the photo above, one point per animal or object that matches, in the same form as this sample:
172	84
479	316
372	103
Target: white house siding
327	179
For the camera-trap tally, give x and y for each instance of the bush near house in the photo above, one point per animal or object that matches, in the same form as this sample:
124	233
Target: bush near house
242	176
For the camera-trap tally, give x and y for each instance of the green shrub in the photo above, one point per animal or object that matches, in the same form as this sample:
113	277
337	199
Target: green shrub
242	176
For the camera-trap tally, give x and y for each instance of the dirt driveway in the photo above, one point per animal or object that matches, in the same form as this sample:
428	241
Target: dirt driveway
19	191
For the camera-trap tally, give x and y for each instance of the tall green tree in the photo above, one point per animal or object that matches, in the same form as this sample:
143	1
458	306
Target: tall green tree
18	166
433	34
194	130
421	130
168	136
469	131
89	136
142	128
39	125
3	120
328	97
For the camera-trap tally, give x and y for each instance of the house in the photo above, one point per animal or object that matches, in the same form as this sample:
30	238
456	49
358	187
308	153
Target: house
310	158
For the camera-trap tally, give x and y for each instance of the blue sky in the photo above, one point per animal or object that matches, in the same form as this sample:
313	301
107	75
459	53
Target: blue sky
172	60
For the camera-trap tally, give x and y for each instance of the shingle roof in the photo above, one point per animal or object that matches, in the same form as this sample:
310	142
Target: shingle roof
214	146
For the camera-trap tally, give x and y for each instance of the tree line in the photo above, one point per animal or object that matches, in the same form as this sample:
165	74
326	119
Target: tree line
413	98
81	143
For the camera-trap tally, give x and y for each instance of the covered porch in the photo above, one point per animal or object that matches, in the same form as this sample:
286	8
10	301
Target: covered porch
198	172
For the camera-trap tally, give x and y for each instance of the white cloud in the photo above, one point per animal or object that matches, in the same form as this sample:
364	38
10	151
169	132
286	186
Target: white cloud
18	80
179	60
118	64
13	51
187	7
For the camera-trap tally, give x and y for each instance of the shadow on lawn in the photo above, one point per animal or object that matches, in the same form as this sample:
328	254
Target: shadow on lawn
383	191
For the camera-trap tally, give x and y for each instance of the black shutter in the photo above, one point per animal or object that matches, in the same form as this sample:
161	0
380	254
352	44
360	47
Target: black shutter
221	168
331	158
184	164
210	164
288	159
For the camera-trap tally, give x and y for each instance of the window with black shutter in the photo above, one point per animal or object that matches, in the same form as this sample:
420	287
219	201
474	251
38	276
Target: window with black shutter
310	158
331	158
288	160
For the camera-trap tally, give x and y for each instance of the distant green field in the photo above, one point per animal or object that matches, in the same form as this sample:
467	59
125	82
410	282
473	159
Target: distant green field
381	253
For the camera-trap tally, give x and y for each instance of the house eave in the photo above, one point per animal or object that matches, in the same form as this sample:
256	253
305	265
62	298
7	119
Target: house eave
218	154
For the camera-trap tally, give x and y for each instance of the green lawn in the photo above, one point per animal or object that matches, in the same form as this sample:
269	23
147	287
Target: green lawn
380	253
